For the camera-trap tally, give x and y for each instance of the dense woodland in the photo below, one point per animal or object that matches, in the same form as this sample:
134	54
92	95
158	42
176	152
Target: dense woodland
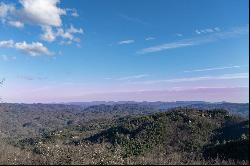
124	133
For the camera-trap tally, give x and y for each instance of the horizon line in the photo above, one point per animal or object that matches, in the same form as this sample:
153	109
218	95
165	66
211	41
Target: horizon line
107	101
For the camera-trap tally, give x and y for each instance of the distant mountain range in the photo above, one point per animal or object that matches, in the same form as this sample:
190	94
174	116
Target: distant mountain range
134	102
234	108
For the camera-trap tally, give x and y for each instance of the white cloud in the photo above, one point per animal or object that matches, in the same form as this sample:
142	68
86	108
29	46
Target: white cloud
150	38
126	42
8	13
48	34
6	43
17	24
68	34
64	34
208	30
211	69
234	32
5	9
34	49
72	29
42	12
47	14
202	78
73	12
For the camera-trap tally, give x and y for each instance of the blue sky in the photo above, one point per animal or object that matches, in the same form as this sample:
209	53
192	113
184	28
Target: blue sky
59	51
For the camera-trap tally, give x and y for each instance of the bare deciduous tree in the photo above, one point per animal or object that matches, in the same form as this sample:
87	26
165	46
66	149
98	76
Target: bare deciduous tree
1	81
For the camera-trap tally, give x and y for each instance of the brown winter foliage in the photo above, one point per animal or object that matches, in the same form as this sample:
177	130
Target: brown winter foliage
121	134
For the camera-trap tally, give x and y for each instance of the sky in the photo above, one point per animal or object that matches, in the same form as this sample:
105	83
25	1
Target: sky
150	50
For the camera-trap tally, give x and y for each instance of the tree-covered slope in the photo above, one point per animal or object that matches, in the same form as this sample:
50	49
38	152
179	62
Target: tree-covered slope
179	130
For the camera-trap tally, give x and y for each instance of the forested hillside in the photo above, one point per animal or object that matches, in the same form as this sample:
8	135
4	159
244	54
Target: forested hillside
121	134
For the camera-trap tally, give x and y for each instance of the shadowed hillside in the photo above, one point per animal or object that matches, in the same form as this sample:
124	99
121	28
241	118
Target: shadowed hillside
180	130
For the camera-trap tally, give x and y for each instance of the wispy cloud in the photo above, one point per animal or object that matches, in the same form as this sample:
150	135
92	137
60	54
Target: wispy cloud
202	78
7	58
164	47
234	32
126	42
203	87
73	12
128	78
17	24
48	34
133	19
68	34
5	10
108	78
179	34
211	69
133	77
31	78
150	38
208	30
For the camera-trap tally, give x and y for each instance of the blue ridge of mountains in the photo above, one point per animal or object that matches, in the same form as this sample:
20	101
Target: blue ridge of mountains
234	108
